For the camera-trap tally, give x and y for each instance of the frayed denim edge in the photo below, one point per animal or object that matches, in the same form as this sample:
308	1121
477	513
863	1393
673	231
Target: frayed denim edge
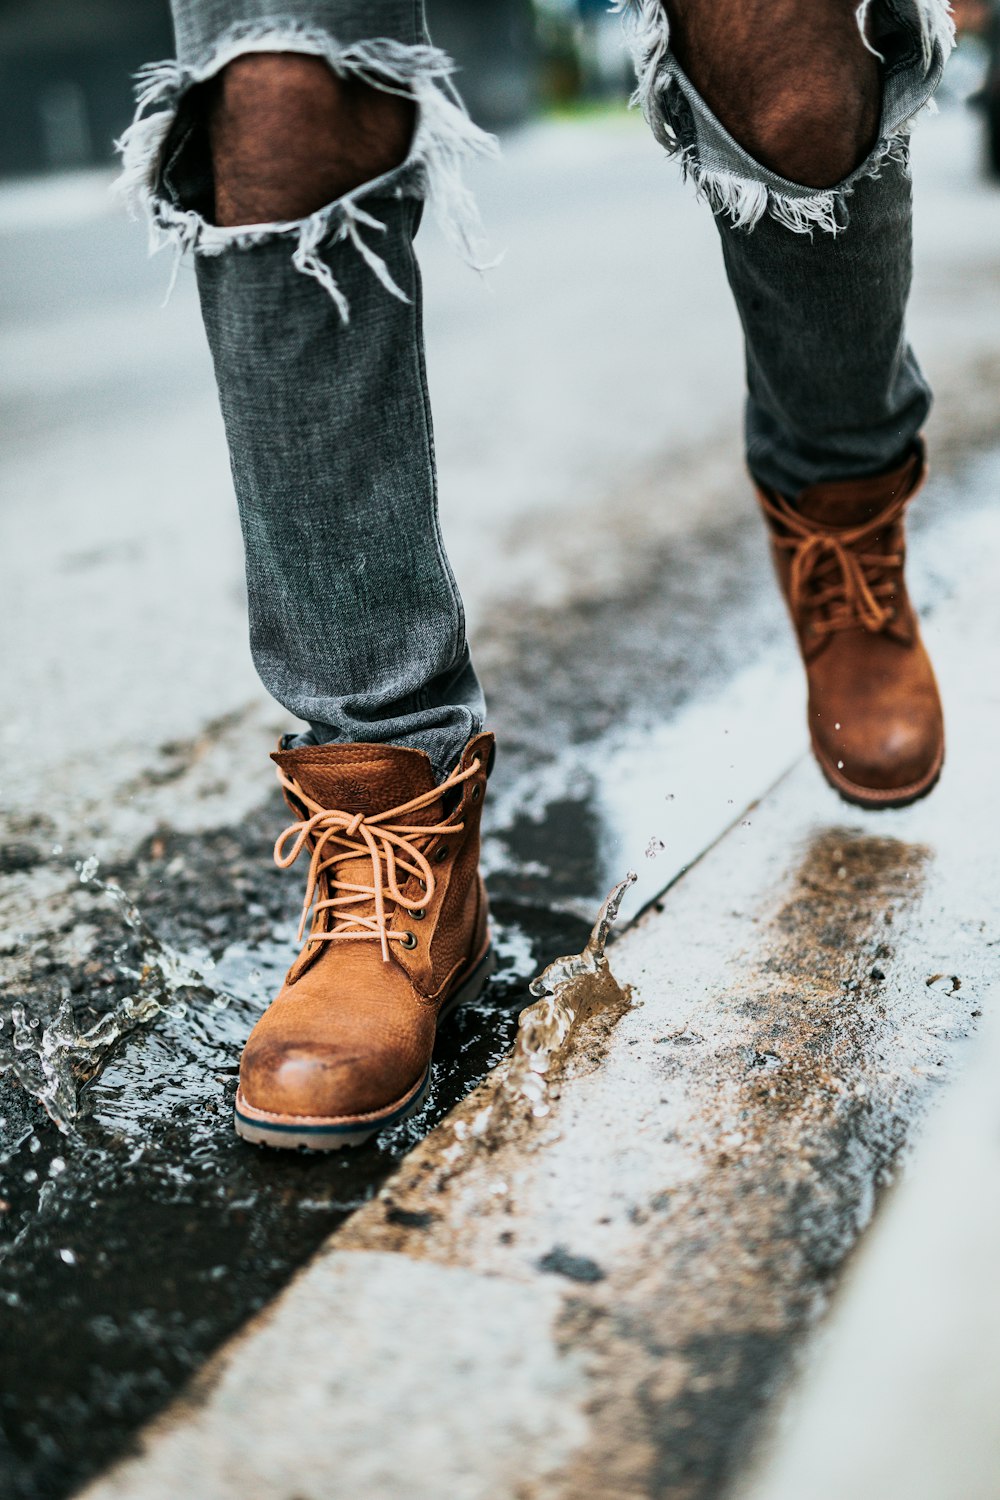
444	140
745	200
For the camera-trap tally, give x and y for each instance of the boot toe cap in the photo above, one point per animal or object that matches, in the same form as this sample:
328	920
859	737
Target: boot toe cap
899	753
324	1081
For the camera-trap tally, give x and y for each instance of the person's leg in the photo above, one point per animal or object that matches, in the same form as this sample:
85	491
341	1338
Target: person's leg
794	84
792	120
797	134
294	157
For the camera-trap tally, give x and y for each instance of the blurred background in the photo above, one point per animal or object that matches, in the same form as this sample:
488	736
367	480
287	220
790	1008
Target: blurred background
65	66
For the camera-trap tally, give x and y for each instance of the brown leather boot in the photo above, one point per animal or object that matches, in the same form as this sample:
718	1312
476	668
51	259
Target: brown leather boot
874	710
399	937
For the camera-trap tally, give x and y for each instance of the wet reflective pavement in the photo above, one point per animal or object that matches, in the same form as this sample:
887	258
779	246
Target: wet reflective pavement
137	1240
134	1243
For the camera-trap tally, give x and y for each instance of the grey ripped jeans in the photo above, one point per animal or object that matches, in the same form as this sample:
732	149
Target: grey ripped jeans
356	624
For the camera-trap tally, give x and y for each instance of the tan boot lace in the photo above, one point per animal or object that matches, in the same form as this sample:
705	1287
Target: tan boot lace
838	583
390	843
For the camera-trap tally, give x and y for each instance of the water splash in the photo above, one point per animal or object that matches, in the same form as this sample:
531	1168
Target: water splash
53	1060
571	990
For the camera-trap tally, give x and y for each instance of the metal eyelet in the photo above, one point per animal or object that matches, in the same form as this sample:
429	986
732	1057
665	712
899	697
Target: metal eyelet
419	914
408	940
477	792
441	853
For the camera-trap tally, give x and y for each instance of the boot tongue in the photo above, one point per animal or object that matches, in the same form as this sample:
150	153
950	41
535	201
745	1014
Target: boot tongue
368	779
853	502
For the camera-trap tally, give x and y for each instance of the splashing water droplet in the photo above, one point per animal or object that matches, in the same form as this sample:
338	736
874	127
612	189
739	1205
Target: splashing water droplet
569	988
54	1060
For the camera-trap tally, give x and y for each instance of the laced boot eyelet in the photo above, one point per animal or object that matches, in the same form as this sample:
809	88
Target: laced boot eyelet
477	792
408	940
440	853
419	914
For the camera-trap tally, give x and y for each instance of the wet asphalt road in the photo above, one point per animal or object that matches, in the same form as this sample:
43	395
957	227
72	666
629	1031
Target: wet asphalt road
134	1242
148	1233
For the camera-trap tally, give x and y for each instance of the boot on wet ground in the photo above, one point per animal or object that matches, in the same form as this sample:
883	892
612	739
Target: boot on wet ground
875	715
398	937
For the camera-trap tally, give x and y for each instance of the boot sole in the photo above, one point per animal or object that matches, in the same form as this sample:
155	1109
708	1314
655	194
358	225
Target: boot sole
316	1133
871	797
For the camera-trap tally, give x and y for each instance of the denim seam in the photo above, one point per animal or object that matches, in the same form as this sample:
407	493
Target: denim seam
445	138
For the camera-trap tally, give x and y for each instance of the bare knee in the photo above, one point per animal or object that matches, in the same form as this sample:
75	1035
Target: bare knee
814	130
288	136
794	85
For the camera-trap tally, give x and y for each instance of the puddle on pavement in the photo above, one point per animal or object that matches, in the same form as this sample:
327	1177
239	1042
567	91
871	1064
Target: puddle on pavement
52	1056
142	1234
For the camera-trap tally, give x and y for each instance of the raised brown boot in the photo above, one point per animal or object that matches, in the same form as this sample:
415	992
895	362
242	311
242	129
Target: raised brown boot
398	938
874	710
